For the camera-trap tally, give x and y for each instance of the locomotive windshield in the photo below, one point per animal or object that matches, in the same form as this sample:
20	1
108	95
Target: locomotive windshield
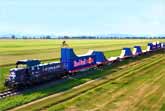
27	63
21	65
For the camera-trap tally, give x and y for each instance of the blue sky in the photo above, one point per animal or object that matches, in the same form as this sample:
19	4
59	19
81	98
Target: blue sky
82	17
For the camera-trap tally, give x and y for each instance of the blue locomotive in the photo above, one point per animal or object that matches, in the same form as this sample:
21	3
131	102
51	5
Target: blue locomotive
31	72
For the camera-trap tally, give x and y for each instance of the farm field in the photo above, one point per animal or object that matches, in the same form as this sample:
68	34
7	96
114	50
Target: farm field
133	85
13	50
126	76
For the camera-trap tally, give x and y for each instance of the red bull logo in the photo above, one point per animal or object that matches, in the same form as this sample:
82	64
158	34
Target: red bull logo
82	62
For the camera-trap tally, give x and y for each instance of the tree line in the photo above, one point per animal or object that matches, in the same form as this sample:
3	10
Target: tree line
78	37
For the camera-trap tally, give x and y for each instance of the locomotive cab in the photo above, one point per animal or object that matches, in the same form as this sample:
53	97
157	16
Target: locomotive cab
27	63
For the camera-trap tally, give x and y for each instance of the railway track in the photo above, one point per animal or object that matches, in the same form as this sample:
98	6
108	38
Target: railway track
13	92
9	92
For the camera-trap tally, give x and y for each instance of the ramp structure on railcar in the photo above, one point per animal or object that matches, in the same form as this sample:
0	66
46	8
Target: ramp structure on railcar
73	62
125	53
137	50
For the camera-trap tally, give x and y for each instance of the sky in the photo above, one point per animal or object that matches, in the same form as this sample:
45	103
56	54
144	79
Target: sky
82	17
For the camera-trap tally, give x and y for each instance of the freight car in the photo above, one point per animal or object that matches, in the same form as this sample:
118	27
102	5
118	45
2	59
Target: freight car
31	72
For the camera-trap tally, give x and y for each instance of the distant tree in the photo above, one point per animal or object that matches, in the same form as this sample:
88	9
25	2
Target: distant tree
48	37
24	37
66	37
13	37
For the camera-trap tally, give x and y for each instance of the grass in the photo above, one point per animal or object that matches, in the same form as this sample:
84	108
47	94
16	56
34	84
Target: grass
142	90
13	50
3	74
117	79
49	50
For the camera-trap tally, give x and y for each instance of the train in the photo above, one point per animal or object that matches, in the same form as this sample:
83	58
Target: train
32	72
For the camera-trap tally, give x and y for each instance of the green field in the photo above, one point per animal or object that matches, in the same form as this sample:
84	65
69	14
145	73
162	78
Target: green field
49	50
13	50
133	85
